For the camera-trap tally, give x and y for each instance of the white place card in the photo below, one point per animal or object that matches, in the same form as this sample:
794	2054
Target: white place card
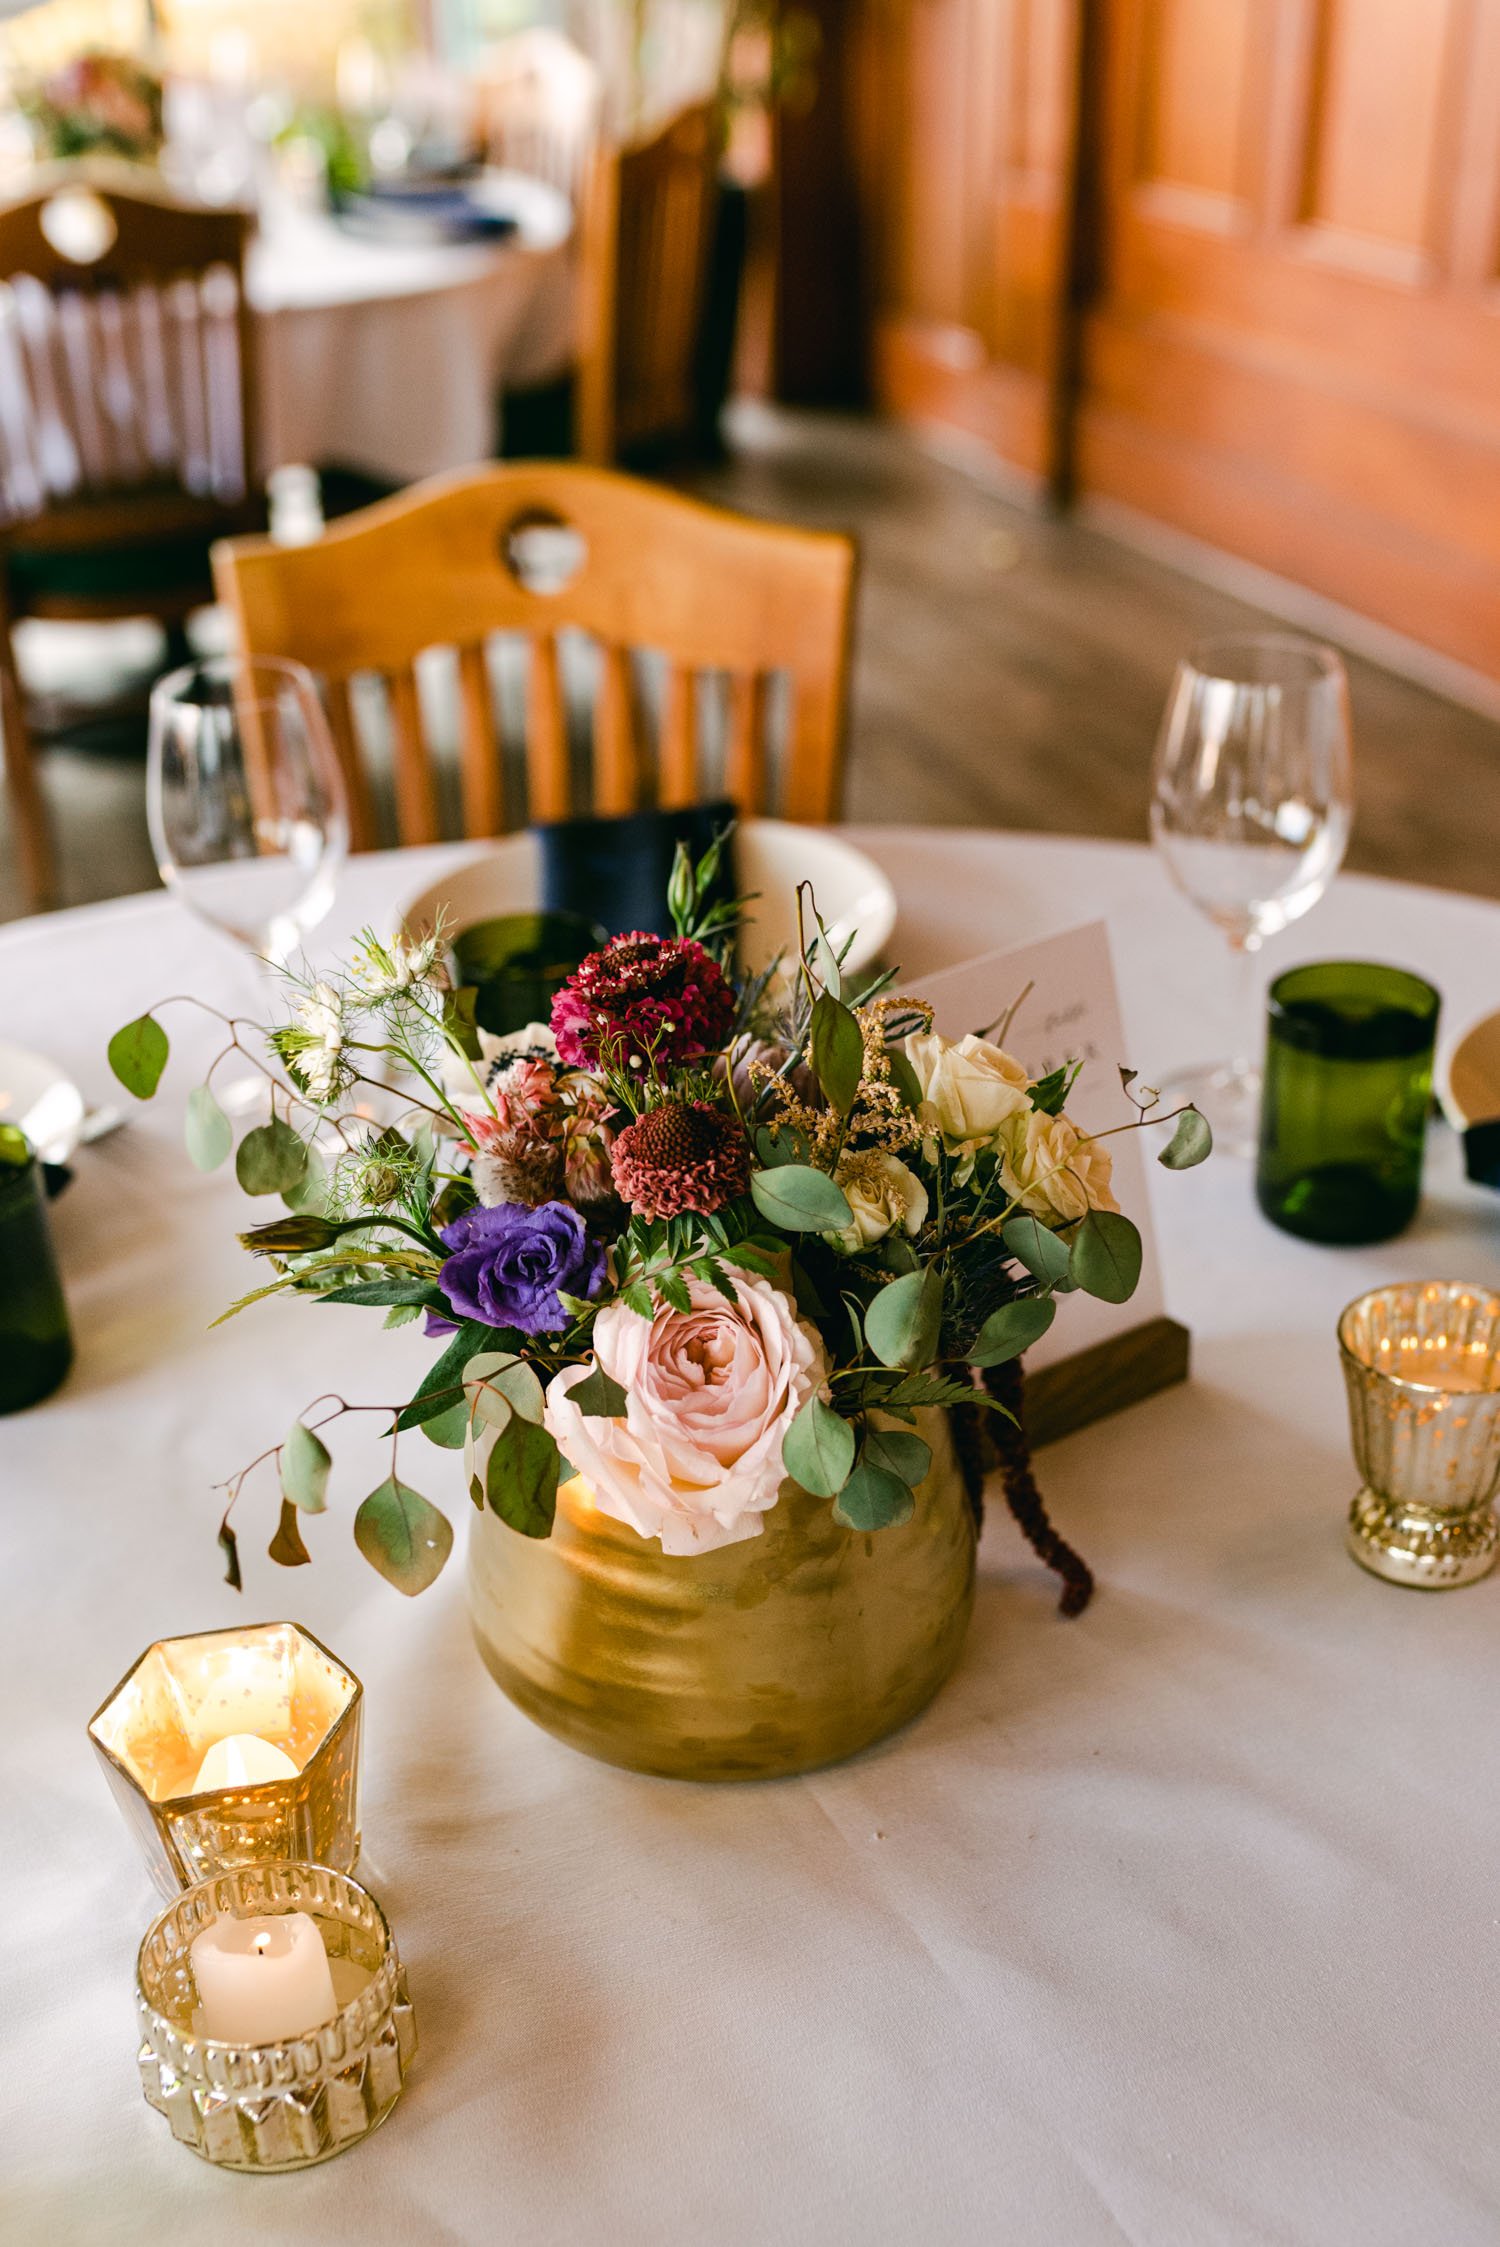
1072	1013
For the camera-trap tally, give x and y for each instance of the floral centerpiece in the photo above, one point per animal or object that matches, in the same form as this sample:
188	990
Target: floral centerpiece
701	1240
99	103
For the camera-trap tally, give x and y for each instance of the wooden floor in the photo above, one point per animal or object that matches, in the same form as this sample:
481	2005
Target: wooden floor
1010	672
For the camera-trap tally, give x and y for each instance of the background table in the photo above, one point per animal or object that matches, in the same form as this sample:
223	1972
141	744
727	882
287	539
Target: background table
389	357
1179	1924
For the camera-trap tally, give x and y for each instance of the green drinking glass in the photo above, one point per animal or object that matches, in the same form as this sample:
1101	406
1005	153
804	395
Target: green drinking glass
519	962
1348	1086
36	1347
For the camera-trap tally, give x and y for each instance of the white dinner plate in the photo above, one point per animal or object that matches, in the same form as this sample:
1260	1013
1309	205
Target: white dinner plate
47	1105
772	857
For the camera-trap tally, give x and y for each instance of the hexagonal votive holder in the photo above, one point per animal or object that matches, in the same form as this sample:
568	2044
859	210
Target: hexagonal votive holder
272	1680
1422	1368
269	2107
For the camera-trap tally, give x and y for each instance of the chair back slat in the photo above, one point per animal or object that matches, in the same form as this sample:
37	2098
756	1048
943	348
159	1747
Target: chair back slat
363	832
679	738
652	574
481	759
745	761
417	816
617	759
547	766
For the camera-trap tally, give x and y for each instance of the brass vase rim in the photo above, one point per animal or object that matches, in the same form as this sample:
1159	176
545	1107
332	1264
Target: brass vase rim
1489	1296
374	1998
249	1792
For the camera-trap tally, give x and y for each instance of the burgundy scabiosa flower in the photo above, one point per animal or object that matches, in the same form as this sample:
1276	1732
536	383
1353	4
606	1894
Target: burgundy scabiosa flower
643	1002
681	1155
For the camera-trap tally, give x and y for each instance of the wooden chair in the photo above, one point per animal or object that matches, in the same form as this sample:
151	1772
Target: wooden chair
645	236
126	404
539	99
447	564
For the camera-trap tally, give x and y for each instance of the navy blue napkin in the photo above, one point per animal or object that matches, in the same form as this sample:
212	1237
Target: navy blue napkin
1482	1153
616	871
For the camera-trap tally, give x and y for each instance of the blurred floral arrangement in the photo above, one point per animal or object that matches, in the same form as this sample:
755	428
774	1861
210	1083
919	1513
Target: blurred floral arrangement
98	103
699	1234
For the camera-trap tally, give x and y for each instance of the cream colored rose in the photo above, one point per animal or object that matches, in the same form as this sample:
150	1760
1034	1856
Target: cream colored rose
1048	1166
969	1090
882	1194
711	1391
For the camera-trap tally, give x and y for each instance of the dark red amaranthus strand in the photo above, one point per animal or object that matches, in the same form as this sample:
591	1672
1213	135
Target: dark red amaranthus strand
1006	1385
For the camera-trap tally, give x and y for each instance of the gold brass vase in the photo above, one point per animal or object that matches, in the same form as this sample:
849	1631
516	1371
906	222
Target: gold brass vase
790	1650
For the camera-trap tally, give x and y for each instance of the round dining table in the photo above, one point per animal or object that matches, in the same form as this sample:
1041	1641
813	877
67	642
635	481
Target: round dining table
1176	1924
388	356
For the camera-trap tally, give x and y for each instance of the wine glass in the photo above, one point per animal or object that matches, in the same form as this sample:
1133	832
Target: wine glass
245	800
1251	804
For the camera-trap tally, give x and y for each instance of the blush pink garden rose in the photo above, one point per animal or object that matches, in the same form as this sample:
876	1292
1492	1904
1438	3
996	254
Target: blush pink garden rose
696	1459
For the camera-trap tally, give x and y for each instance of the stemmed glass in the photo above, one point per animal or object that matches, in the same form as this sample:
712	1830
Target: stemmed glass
1252	801
245	801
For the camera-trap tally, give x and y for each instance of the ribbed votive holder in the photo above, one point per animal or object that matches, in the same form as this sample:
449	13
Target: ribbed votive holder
272	1681
1422	1368
268	2107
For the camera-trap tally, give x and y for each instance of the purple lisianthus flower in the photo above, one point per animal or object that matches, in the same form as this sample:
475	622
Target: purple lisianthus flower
508	1264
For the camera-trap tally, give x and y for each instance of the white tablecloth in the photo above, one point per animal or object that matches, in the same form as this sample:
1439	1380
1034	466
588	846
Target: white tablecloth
1177	1925
388	357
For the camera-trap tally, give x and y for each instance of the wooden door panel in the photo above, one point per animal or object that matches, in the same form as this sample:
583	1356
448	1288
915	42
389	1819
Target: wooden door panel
1377	117
1190	126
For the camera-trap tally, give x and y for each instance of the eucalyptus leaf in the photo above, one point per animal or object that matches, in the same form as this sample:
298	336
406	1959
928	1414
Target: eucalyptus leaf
305	1463
776	1148
899	1452
903	1318
837	1050
229	1546
271	1159
138	1055
444	1382
403	1536
817	1450
1033	1244
521	1477
1105	1260
1191	1143
1012	1329
800	1199
286	1547
209	1133
502	1374
599	1395
448	1429
873	1498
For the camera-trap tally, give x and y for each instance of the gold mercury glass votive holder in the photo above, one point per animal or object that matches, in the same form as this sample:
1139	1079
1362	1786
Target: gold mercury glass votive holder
1422	1368
273	1681
269	2107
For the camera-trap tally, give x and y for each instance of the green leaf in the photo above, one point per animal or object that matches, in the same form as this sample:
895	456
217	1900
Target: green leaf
403	1535
1049	1093
521	1478
775	1148
873	1498
800	1199
229	1546
310	1195
209	1133
286	1547
905	1079
498	1377
837	1050
903	1318
400	1314
899	1453
138	1055
1012	1329
448	1429
305	1463
600	1396
459	1018
1033	1244
817	1450
1191	1143
1105	1260
418	1294
271	1159
445	1379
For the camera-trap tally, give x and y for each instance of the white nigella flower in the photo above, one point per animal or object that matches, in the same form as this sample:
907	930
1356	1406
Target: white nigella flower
321	1058
384	971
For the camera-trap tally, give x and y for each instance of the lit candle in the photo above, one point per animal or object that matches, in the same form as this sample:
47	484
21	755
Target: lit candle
262	1980
242	1760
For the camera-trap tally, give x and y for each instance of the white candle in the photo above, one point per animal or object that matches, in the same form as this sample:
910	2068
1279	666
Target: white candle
262	1980
243	1760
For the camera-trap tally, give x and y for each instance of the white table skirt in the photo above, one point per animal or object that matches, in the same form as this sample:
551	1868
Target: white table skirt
1178	1925
389	357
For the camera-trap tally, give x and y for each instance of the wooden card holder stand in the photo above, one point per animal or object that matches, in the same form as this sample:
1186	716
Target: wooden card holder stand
1076	1391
